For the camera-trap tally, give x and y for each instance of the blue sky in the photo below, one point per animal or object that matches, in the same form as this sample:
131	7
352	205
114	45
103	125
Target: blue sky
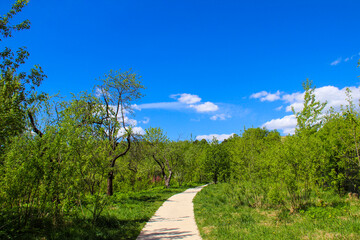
210	67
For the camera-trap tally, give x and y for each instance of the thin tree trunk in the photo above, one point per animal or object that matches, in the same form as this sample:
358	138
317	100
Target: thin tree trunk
168	179
110	190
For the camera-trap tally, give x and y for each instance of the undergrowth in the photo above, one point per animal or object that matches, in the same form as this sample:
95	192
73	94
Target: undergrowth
123	217
220	214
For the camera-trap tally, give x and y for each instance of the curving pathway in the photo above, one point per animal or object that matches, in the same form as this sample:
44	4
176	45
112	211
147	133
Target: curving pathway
174	219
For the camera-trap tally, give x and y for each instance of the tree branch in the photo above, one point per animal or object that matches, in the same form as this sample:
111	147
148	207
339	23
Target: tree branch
32	122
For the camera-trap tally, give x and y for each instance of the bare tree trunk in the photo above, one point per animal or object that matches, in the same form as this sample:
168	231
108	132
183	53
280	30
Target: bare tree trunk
168	179
110	190
215	178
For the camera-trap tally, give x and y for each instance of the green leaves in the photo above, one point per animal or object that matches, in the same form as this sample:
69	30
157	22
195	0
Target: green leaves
155	136
17	89
5	27
340	137
309	118
217	162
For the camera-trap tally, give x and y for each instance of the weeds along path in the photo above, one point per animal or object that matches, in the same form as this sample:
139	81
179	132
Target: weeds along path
174	219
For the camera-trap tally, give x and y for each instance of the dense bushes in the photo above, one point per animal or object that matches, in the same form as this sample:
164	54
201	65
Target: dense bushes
270	171
66	168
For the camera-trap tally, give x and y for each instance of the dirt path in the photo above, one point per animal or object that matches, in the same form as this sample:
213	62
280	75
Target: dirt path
174	219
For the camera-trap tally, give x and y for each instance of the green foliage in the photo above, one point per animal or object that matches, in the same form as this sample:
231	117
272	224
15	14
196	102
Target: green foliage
5	27
17	89
300	159
170	157
309	118
340	137
219	216
123	217
156	137
217	162
116	95
12	114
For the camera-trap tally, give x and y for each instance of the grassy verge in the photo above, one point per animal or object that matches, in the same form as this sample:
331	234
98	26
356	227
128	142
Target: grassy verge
122	218
220	216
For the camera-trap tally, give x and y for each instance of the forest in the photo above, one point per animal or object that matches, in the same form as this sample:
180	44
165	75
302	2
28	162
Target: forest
65	162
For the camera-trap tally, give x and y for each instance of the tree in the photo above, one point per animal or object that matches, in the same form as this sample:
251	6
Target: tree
341	140
301	155
217	163
17	88
300	159
165	153
117	94
47	173
309	118
83	168
191	167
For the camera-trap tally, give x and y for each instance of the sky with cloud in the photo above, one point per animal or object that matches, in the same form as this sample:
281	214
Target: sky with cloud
211	68
334	97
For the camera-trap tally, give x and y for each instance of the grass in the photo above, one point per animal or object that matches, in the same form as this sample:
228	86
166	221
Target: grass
123	218
219	216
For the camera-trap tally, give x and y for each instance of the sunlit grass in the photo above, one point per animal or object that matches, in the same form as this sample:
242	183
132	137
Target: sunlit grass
220	217
122	218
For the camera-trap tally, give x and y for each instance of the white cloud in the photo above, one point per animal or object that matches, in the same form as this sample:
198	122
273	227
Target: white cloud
297	107
346	59
271	97
161	105
133	124
219	137
336	62
98	92
129	121
205	107
279	108
293	97
186	98
135	130
266	96
259	94
287	124
221	116
136	107
183	101
334	97
146	120
138	130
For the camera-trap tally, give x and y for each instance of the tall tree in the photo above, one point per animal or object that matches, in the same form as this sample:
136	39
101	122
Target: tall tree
17	88
309	119
117	94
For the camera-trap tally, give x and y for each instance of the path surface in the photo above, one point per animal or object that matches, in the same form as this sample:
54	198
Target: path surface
174	219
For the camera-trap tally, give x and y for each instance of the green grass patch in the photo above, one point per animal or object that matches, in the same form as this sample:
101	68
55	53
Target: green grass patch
122	218
220	216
